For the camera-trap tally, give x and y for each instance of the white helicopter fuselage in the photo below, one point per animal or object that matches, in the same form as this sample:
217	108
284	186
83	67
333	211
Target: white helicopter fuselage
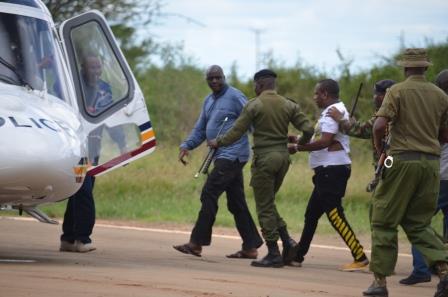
56	125
40	146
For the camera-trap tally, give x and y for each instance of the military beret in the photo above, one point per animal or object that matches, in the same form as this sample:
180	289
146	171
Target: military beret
264	73
442	78
381	86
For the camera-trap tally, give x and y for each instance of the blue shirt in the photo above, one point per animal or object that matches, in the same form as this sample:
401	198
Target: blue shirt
228	103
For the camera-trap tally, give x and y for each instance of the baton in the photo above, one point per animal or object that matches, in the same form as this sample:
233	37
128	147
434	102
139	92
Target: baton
211	153
356	100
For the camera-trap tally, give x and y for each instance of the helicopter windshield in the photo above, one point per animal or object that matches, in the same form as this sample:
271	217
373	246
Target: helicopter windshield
28	55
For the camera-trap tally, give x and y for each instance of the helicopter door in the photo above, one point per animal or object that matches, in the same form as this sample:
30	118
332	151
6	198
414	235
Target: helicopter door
108	97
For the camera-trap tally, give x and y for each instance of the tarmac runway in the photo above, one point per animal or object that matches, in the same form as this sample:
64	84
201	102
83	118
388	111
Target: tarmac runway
140	261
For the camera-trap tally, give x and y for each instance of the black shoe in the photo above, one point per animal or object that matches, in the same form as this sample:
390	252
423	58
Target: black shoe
292	255
287	246
269	260
412	280
442	288
376	291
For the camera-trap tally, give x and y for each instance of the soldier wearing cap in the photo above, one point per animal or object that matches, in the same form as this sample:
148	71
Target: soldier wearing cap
417	112
363	130
270	115
421	272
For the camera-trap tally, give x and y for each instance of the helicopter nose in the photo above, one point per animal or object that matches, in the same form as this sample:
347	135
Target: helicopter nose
37	160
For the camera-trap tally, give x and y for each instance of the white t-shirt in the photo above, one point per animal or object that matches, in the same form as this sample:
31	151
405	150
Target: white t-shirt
328	125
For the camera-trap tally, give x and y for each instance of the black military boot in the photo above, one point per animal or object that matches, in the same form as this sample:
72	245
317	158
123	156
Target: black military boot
442	287
377	288
272	259
288	244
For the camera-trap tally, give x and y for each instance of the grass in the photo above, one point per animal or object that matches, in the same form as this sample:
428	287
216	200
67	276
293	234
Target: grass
159	189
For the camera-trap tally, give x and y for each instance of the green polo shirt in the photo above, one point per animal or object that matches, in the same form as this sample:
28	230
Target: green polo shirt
417	109
270	115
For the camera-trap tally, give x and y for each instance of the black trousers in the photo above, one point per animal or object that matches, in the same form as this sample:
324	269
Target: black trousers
226	176
330	184
79	217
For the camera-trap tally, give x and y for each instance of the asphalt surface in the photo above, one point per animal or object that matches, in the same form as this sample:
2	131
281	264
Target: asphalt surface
132	261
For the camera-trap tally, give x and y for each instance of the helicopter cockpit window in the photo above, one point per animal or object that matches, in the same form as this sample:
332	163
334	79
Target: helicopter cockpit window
28	56
103	82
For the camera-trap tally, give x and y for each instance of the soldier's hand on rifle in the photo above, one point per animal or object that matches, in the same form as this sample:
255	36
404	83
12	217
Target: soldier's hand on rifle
212	143
292	139
183	153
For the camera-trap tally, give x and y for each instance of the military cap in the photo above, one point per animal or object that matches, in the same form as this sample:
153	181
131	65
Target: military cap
381	86
264	73
414	57
442	77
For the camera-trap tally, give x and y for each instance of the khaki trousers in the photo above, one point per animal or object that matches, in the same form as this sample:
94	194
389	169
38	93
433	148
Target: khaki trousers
268	170
405	196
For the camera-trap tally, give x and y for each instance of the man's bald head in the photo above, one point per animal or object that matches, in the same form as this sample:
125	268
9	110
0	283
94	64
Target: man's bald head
214	69
442	80
215	78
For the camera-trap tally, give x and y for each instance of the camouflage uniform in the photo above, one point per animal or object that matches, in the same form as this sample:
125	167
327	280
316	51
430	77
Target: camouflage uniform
363	130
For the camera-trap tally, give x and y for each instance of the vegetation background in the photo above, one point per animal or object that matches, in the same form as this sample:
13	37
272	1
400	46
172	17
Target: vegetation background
158	188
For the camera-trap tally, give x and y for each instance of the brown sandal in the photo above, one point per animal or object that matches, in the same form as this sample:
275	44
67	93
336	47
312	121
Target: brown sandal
242	255
186	249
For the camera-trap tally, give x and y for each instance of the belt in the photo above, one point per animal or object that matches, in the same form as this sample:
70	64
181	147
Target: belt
415	156
318	168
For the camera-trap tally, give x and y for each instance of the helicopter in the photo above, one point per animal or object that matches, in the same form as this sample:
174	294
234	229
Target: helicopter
52	133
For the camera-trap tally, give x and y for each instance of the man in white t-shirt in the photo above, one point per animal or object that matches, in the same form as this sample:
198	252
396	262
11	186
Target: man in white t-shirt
329	158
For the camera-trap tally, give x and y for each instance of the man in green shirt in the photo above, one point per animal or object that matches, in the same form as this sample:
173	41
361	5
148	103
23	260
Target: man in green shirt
417	112
269	114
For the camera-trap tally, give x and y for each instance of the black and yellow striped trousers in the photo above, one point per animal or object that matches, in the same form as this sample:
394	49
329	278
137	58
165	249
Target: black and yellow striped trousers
329	188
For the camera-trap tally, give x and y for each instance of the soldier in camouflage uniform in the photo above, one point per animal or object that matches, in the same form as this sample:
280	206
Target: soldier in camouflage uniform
417	112
269	114
363	130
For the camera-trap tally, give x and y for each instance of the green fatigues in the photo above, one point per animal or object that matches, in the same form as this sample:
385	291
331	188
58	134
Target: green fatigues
363	130
270	115
407	192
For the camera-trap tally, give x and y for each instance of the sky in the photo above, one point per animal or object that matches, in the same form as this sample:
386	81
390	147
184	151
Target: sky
300	31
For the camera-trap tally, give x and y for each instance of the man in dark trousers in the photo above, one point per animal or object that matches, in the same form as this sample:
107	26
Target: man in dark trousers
417	112
79	217
269	114
227	174
329	158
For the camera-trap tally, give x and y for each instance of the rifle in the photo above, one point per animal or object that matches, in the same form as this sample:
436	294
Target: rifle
211	153
383	161
356	100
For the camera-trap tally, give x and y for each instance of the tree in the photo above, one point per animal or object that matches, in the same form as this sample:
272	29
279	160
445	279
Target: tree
121	11
125	16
